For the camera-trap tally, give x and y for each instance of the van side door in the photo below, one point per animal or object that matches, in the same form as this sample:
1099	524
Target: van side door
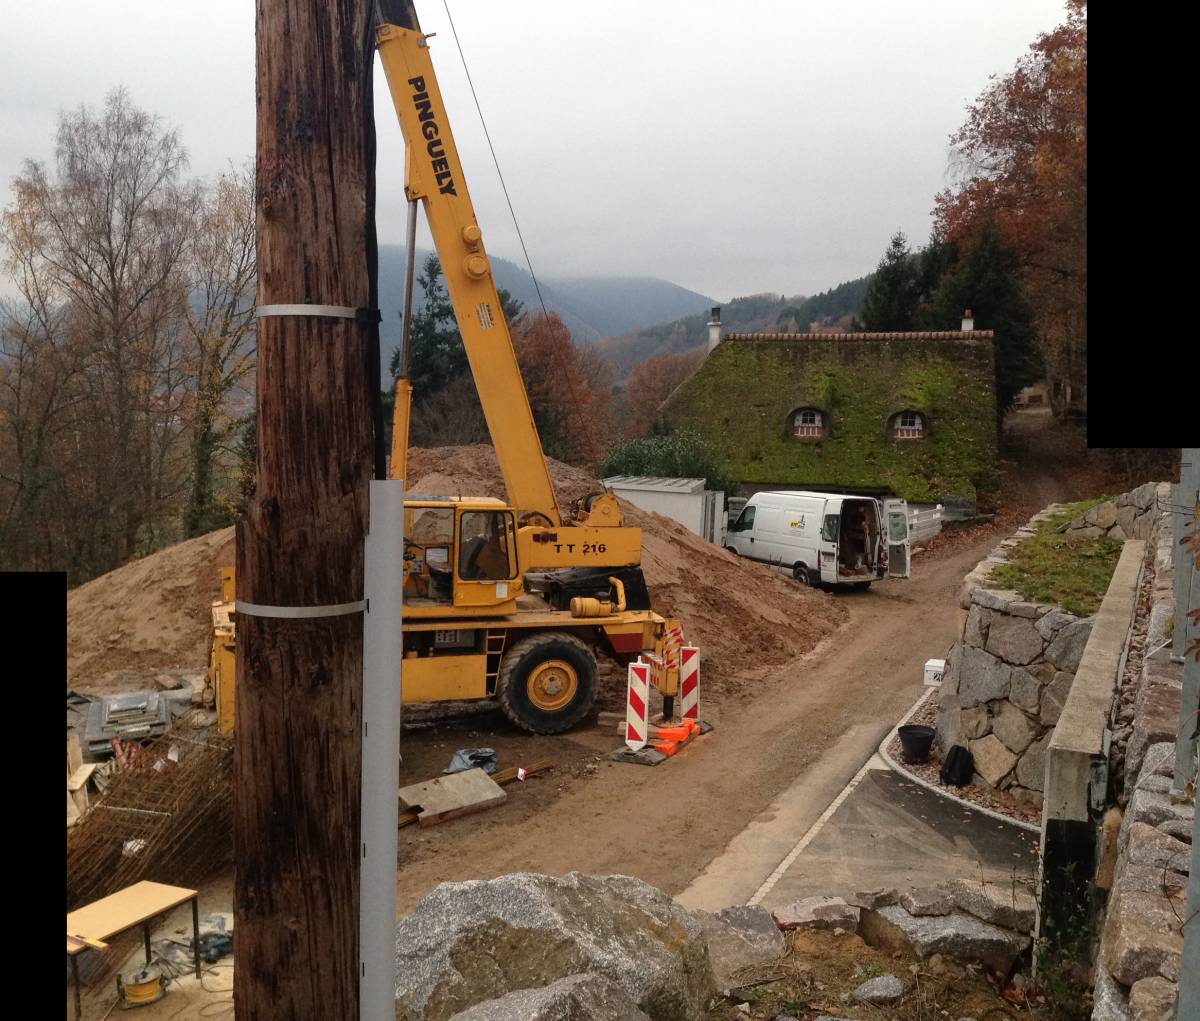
831	531
899	544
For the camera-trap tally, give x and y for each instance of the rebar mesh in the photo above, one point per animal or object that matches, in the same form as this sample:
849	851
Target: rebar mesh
166	816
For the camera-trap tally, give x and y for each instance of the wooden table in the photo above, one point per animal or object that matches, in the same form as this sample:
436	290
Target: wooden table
135	905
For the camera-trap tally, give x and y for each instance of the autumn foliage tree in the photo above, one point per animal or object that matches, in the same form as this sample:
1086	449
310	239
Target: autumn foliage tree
650	383
572	414
1022	154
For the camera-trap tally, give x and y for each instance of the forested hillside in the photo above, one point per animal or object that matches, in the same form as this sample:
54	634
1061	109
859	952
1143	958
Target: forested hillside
832	309
756	312
591	307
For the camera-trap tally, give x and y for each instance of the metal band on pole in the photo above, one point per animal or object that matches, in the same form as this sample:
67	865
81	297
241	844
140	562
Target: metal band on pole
362	315
299	612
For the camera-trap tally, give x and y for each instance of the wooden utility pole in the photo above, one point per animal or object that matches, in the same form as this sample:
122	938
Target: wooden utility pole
300	546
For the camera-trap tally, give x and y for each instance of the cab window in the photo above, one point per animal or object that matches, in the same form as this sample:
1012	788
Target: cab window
484	548
430	531
745	520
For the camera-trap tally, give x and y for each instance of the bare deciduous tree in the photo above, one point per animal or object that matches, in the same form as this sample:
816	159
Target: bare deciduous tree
98	252
221	336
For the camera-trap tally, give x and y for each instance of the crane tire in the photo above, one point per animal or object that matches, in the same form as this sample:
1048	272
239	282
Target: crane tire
547	682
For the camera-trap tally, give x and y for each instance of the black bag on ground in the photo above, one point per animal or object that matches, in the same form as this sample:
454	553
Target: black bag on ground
958	768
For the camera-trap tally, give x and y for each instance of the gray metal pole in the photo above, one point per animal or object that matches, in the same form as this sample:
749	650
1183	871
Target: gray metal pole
1189	971
1187	597
409	269
1187	631
382	655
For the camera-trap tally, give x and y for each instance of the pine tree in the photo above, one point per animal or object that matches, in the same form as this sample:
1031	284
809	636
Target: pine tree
894	293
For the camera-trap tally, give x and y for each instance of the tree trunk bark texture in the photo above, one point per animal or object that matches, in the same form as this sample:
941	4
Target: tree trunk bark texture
299	681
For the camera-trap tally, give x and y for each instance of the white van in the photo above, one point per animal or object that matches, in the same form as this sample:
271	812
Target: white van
825	538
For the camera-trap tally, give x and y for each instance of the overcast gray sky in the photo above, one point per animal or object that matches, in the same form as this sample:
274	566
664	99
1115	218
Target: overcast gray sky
730	148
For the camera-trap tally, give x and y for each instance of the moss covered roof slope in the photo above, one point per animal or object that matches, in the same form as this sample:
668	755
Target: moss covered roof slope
743	396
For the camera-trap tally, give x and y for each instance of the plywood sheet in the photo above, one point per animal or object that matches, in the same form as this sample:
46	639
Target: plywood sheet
446	797
125	909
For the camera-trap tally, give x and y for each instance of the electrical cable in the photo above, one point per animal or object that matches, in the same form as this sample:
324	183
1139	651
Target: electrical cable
487	135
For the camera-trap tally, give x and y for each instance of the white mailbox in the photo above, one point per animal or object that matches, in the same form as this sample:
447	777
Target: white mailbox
934	668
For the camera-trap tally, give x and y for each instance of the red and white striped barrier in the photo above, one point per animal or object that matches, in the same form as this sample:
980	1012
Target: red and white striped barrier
689	683
637	707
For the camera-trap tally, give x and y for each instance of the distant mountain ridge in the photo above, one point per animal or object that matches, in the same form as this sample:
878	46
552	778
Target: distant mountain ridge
593	307
751	314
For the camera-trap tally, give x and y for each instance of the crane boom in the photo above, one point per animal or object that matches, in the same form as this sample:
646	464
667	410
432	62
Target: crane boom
434	174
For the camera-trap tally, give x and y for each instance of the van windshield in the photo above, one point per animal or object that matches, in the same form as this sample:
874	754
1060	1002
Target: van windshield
745	521
829	528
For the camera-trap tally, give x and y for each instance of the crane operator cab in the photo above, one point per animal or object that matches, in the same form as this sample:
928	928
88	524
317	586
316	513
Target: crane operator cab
459	553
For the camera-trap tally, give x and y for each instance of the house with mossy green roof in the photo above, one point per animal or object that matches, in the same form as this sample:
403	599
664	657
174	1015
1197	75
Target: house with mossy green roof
913	414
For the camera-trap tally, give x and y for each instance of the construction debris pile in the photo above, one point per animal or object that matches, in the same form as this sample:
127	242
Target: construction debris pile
166	816
153	615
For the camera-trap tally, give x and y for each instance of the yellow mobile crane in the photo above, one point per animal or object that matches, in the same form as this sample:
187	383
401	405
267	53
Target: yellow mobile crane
512	601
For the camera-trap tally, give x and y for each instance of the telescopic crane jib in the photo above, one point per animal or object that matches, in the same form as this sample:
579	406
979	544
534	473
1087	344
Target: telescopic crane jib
505	601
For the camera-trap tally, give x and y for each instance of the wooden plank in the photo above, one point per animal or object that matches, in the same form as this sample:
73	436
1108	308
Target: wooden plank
74	752
72	810
80	775
447	797
81	799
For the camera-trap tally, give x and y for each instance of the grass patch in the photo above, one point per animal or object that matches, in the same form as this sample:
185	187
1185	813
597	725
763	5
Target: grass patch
1068	571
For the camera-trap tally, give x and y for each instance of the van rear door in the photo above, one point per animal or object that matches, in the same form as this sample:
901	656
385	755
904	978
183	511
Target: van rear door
895	513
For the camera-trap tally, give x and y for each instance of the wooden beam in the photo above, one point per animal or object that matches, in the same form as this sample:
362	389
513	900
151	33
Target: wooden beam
299	681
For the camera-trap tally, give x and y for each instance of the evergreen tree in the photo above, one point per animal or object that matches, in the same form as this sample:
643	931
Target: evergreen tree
893	296
436	354
988	282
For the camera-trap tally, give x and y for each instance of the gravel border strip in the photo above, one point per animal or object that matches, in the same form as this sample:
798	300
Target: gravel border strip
899	769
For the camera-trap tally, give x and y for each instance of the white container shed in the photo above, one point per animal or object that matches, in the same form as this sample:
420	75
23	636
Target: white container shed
684	500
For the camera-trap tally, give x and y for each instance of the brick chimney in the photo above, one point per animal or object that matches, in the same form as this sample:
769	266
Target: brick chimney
968	321
714	329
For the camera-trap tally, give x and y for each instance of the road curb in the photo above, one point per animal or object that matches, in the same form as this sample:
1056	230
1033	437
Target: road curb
895	767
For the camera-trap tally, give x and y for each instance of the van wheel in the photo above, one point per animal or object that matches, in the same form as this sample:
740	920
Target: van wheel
801	574
862	586
730	549
547	682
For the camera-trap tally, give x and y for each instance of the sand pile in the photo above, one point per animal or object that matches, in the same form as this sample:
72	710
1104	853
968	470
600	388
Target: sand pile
741	614
153	616
150	616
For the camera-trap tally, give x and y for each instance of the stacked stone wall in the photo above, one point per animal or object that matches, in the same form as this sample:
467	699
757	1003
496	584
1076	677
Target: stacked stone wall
1131	515
1147	838
1008	677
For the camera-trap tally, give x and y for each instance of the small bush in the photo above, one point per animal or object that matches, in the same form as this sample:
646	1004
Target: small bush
677	455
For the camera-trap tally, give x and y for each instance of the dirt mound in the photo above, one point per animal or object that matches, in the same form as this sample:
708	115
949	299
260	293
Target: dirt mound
149	616
742	615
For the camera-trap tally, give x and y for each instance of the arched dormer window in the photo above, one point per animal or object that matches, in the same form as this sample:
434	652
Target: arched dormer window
807	423
909	425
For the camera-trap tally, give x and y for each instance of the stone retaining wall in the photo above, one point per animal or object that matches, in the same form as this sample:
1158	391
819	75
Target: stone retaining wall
1008	677
1131	515
1146	839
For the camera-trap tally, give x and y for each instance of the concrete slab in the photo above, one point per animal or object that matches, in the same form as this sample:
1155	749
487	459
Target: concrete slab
889	832
447	797
734	875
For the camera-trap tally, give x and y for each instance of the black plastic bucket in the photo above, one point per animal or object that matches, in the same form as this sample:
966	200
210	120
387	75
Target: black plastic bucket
915	742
